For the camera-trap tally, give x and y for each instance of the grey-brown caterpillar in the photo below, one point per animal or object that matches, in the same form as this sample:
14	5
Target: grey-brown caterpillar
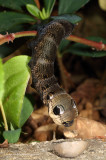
61	106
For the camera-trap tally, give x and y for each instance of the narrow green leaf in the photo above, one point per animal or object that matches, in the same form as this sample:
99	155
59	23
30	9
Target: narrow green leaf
70	6
83	50
16	79
49	4
26	111
11	126
42	16
1	80
16	5
71	18
32	9
44	13
10	19
12	136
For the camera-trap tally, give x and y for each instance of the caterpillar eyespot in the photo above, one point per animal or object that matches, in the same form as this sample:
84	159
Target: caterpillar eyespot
49	96
57	110
61	108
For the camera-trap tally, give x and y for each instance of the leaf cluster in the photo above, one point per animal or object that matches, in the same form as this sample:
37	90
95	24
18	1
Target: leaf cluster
14	76
24	15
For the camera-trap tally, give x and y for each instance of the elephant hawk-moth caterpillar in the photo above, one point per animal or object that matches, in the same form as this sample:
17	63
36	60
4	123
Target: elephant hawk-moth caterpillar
61	106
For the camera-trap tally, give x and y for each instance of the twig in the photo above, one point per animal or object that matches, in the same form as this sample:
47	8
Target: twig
12	36
4	116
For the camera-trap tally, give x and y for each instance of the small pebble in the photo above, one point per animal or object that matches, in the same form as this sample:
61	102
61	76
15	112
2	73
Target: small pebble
70	149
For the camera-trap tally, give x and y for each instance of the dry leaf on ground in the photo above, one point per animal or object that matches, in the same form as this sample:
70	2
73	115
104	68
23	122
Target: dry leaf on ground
87	129
4	144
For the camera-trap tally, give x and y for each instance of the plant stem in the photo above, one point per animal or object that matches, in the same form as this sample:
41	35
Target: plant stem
12	36
4	117
25	34
37	3
97	45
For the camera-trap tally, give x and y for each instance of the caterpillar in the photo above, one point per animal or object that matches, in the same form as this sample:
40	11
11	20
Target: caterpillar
61	106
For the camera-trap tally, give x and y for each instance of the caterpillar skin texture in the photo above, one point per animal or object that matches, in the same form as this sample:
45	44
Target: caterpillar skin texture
61	106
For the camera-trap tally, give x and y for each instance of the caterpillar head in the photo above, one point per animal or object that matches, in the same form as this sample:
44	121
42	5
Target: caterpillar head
62	109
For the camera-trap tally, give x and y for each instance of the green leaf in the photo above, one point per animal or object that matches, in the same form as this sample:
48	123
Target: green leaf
32	9
16	79
12	136
64	43
10	19
26	111
70	6
49	4
44	13
42	16
71	18
83	50
17	28
11	126
1	80
16	5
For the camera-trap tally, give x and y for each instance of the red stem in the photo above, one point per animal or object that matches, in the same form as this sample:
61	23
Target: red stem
93	44
12	36
37	3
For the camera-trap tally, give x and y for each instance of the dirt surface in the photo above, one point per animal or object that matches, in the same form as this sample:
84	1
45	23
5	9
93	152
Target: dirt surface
43	151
